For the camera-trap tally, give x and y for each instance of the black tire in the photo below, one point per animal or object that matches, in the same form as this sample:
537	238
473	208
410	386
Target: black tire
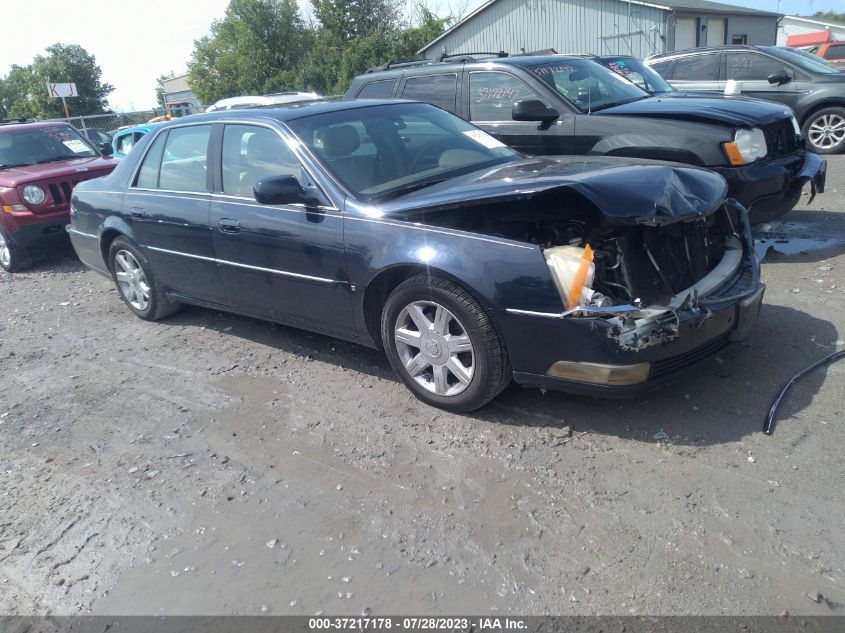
491	370
157	304
816	122
13	258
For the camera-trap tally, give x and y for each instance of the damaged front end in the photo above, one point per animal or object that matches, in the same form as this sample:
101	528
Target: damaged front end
647	279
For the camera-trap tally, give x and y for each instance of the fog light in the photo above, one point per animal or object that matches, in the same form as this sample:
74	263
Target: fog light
600	374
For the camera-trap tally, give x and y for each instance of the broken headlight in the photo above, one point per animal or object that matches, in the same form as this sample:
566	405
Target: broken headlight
747	146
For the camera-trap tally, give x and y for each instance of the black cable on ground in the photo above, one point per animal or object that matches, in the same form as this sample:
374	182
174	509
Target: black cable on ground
769	425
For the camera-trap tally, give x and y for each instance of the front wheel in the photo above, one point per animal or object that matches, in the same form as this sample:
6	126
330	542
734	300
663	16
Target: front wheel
825	130
136	283
443	345
13	258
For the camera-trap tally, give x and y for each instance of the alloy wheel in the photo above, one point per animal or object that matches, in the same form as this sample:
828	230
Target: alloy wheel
827	131
434	348
5	252
131	280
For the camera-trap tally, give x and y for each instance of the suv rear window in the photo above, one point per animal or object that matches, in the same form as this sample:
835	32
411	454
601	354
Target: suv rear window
439	90
835	51
376	90
697	68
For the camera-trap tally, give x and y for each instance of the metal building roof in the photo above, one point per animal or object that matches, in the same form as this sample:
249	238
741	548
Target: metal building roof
700	6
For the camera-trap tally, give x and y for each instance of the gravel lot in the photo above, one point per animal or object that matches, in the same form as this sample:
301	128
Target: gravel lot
213	464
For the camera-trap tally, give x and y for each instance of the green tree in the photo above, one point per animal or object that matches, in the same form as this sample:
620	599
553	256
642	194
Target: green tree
831	16
254	49
25	93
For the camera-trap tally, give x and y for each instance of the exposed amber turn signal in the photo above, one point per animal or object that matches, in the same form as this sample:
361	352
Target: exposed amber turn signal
734	155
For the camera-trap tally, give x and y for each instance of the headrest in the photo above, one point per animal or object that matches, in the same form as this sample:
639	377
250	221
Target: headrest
340	140
262	147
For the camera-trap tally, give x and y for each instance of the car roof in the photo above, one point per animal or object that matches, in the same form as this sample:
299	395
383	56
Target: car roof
12	126
290	111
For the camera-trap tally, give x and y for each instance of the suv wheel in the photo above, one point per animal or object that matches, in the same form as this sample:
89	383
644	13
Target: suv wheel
825	130
443	345
136	283
13	258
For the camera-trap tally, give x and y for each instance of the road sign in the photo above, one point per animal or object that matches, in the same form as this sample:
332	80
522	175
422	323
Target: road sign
62	90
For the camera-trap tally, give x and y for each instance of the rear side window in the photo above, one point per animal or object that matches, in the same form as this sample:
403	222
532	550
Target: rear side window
835	52
439	90
492	95
753	67
148	174
184	160
696	68
377	90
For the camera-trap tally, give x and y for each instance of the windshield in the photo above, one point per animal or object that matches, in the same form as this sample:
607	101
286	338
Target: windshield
635	71
36	145
801	60
588	85
385	151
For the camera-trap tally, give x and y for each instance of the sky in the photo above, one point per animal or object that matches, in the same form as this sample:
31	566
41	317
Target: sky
136	42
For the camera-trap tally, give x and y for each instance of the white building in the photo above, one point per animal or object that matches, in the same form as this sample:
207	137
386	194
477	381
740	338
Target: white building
797	25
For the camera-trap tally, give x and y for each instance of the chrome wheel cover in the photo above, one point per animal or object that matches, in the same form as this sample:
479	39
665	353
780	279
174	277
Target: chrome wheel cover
131	280
5	252
434	348
827	131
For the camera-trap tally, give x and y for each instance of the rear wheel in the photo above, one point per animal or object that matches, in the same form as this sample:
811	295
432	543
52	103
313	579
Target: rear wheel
136	283
443	345
825	130
13	258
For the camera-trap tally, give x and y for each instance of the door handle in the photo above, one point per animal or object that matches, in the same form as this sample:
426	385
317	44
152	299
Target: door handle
228	225
137	212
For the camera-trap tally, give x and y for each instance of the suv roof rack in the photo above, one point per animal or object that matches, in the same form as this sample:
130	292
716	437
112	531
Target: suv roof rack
400	63
469	57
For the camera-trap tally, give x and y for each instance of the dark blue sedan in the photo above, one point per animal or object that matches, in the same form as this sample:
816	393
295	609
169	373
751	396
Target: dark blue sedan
399	226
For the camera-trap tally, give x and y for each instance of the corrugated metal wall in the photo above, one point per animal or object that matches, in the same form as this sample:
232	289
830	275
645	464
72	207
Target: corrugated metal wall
568	26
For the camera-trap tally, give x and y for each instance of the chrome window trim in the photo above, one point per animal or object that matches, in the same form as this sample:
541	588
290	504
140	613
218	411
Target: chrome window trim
251	202
293	147
274	271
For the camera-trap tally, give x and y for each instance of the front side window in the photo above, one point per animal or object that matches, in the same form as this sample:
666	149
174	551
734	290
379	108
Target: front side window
386	151
753	67
377	90
696	68
587	85
250	153
492	95
183	165
439	90
38	145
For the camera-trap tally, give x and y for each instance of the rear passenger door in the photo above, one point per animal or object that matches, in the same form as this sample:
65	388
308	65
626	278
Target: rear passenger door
167	205
696	72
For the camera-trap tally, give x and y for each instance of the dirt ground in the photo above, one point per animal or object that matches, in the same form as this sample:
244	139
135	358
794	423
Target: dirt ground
213	464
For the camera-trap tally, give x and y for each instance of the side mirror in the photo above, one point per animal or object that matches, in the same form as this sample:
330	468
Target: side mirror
778	79
284	190
106	148
533	110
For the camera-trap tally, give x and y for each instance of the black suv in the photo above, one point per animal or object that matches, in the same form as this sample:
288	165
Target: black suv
560	104
814	90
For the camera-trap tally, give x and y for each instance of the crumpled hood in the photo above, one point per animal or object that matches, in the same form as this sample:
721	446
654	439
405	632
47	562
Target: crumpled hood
86	167
625	190
706	108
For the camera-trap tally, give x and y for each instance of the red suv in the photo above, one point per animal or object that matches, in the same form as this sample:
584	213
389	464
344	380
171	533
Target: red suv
40	163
